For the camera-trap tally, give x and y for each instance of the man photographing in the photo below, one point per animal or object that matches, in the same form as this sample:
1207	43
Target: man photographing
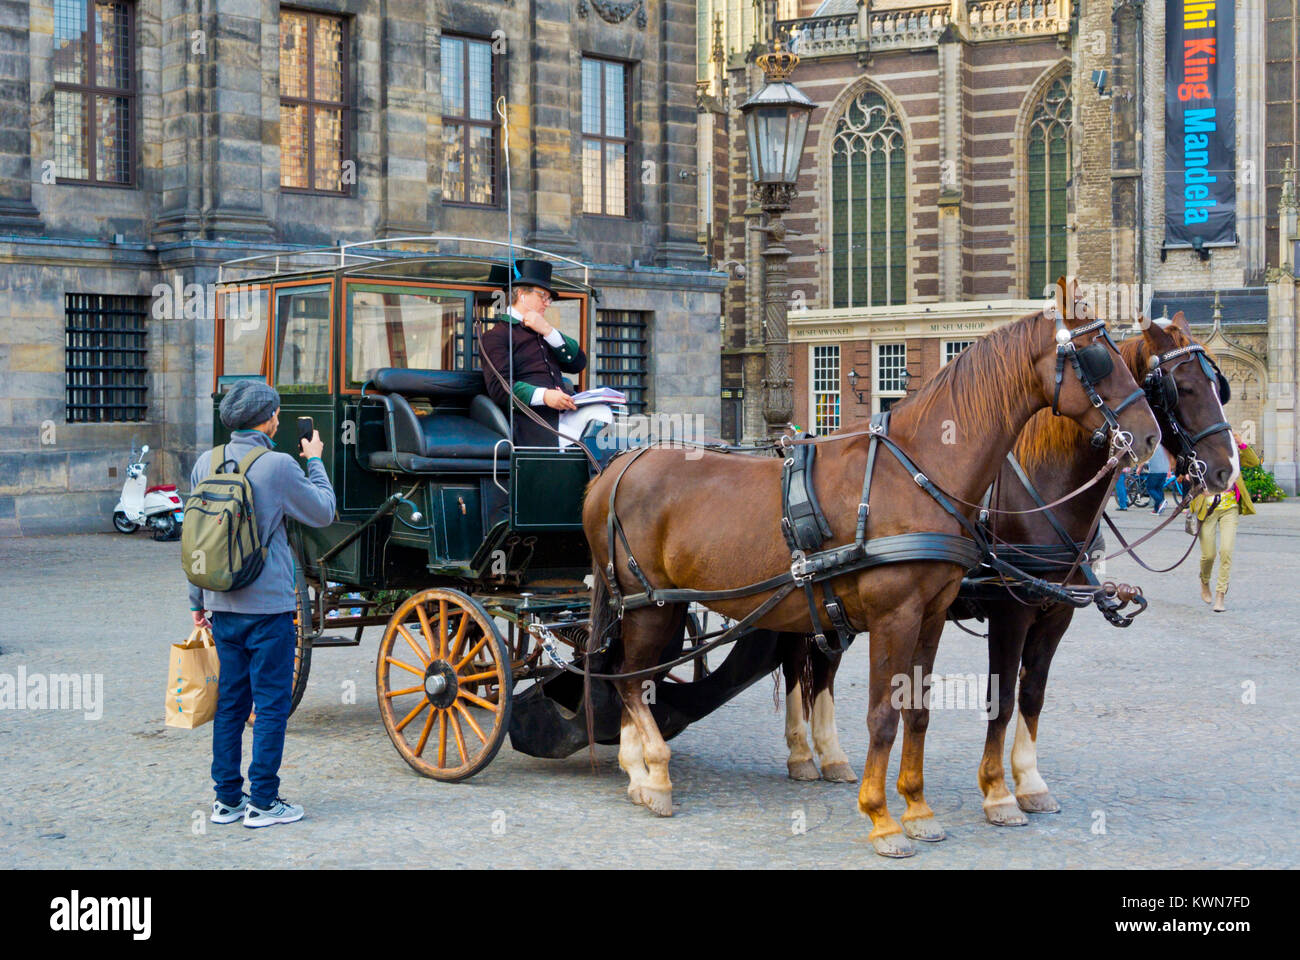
253	626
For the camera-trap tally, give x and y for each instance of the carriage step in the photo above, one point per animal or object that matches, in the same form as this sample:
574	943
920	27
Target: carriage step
336	642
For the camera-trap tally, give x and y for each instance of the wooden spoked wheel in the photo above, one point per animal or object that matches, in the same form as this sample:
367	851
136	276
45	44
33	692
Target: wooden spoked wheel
444	682
302	627
302	621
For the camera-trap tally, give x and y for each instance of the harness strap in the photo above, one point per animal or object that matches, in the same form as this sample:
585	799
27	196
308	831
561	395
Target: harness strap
1048	515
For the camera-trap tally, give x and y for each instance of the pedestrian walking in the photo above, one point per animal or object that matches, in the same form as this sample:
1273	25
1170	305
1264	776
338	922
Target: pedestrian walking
1221	520
1157	471
1121	490
253	625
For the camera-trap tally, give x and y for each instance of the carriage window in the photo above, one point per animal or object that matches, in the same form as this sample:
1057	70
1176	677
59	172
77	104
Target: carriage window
302	325
243	330
395	328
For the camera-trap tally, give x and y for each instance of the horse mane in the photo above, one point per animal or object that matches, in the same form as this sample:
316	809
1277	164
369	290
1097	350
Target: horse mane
1047	439
1006	356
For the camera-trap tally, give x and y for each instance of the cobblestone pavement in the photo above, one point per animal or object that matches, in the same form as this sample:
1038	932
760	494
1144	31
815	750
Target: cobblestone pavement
1145	730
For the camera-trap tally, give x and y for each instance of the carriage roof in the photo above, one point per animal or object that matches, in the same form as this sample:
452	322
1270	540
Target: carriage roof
446	259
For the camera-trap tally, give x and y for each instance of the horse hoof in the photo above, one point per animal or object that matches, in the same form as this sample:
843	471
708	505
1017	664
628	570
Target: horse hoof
658	802
839	773
1005	814
894	845
802	769
925	829
1038	803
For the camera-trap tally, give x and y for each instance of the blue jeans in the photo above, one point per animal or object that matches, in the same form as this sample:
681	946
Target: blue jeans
1156	487
1121	491
256	653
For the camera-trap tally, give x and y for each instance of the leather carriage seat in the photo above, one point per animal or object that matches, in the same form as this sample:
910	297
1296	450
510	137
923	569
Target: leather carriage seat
438	440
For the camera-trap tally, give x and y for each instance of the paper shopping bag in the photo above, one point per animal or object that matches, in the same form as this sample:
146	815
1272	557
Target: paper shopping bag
192	680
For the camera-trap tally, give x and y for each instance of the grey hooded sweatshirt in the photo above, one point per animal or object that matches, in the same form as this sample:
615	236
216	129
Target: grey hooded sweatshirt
280	489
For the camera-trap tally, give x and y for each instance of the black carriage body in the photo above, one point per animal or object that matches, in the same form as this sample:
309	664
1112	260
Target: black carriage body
492	516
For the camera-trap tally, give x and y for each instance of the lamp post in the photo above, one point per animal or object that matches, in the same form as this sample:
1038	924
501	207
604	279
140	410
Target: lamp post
776	125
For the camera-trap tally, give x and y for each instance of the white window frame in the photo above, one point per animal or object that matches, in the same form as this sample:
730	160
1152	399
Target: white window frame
944	358
814	392
878	391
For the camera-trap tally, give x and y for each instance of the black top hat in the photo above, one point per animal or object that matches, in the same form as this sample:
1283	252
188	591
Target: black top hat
534	273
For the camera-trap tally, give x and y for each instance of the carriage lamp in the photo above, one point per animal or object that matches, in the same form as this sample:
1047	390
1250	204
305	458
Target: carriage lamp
905	377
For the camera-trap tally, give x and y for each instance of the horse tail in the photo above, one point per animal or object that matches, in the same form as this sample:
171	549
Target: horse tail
601	621
806	681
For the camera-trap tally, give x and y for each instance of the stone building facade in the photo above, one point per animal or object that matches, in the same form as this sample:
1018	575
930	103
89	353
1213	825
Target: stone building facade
239	127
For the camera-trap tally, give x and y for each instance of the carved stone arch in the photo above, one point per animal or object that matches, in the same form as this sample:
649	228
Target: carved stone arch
834	113
1247	375
1020	169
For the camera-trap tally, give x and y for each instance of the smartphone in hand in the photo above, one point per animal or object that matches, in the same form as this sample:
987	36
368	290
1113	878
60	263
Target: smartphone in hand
306	427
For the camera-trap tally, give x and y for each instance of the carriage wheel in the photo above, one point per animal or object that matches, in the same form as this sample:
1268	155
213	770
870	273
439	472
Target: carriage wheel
444	682
302	626
302	620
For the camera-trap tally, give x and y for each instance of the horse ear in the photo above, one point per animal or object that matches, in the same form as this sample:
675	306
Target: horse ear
1179	320
1157	337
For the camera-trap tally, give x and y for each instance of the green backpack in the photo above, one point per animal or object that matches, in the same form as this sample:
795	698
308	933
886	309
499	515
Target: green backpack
221	549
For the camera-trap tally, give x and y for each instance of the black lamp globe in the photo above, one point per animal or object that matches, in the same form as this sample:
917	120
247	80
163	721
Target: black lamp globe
776	121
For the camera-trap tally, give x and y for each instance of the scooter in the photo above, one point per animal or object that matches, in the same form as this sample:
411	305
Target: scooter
158	507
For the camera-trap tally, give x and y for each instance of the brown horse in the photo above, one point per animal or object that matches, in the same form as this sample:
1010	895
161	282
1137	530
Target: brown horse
1057	456
713	523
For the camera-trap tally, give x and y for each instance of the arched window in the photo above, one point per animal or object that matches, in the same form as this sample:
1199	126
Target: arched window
868	206
1048	166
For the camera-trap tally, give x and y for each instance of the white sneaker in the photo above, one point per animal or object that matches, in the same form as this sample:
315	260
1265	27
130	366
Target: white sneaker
279	812
222	813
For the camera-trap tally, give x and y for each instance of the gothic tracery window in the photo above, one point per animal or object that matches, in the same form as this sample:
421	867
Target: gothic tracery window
868	205
1047	155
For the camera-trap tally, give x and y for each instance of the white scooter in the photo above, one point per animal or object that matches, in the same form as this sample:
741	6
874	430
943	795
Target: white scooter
158	507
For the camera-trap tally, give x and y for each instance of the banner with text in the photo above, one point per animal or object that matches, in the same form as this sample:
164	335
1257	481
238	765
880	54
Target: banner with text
1200	123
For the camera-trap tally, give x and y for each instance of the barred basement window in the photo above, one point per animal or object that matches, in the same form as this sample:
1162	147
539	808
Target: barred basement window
826	388
94	92
469	123
1048	166
313	101
622	354
106	371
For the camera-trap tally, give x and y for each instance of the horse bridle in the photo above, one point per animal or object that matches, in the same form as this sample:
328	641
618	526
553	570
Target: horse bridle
1093	364
1162	393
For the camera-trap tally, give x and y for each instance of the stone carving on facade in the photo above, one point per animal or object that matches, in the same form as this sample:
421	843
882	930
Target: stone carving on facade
613	12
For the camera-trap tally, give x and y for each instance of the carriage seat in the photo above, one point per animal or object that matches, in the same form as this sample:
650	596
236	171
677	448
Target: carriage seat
438	439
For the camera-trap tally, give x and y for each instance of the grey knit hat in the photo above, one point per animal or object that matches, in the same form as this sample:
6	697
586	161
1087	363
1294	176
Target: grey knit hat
249	403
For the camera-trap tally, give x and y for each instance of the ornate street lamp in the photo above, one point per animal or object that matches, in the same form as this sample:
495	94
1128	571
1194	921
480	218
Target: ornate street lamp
776	125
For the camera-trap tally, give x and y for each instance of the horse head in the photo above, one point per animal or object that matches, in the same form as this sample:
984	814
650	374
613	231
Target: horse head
1187	391
1084	383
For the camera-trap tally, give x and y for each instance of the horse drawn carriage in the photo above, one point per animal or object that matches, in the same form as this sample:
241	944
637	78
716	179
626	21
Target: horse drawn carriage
467	549
496	568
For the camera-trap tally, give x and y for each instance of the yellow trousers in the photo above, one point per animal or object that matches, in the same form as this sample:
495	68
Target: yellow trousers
1225	522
